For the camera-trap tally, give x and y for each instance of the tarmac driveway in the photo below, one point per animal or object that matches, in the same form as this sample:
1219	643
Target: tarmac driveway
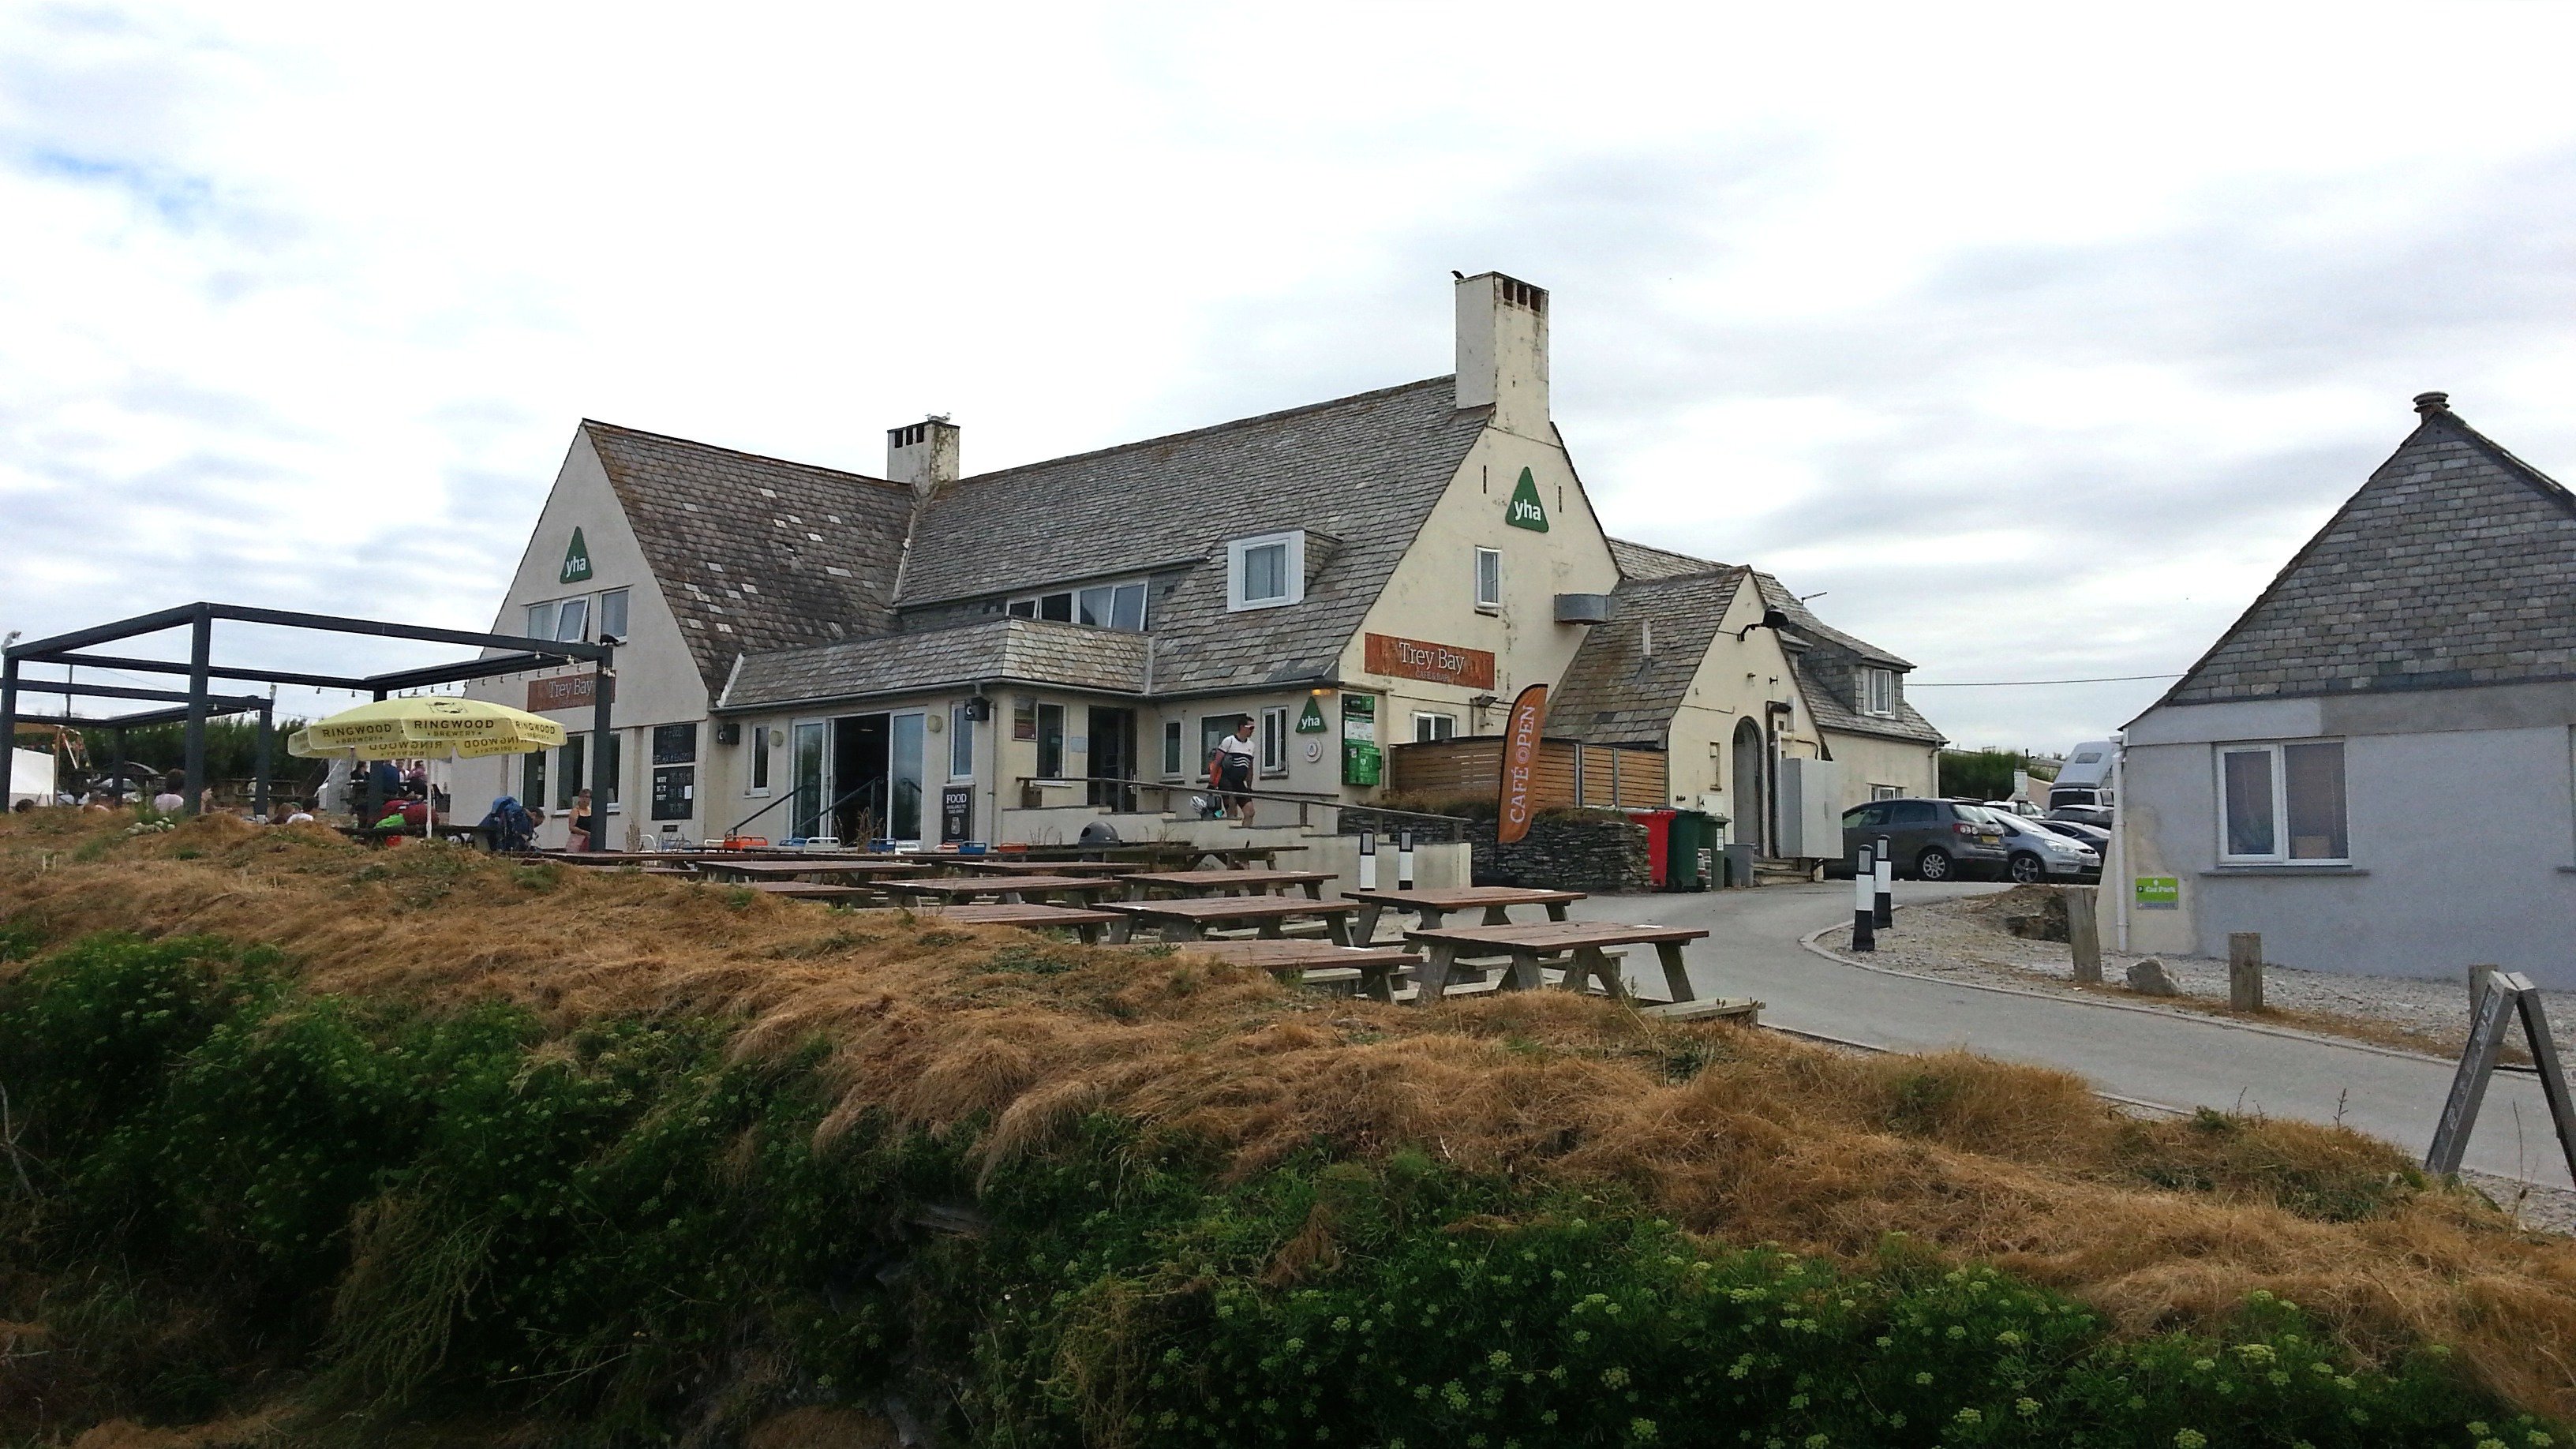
1753	950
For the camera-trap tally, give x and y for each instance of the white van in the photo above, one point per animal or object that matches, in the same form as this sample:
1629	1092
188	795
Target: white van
2086	776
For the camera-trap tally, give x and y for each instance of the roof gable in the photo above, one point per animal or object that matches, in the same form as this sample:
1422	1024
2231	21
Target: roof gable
1363	472
2454	565
1644	561
756	553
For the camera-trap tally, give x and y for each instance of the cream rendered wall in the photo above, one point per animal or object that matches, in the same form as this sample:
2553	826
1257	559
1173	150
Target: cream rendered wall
1736	680
1871	760
658	681
1431	594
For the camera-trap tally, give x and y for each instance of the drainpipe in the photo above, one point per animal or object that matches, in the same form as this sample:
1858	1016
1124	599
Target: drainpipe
2120	838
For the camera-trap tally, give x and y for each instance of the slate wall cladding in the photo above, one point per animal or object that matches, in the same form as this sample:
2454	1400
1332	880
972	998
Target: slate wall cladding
2454	565
1598	851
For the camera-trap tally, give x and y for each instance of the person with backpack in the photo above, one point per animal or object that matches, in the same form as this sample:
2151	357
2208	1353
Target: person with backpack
510	825
1230	770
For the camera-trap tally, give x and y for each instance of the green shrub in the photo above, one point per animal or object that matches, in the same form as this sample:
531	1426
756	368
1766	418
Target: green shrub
458	1214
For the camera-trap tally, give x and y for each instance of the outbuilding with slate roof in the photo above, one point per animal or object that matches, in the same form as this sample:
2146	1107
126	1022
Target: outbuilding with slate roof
2375	766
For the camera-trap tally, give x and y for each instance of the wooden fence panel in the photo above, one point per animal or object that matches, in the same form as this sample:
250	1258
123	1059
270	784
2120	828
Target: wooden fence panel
1566	773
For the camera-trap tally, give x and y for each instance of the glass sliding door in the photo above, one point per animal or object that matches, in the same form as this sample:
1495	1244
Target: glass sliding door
903	774
805	817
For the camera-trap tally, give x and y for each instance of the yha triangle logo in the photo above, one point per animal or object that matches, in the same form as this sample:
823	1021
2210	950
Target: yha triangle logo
1525	511
576	564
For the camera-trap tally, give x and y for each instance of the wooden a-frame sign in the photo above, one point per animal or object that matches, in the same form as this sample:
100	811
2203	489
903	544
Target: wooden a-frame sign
2507	994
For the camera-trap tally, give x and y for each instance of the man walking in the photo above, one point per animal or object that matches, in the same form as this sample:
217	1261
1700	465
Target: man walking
1232	769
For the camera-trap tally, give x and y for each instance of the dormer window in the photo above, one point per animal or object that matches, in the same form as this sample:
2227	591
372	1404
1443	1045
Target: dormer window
1265	571
1878	692
1102	606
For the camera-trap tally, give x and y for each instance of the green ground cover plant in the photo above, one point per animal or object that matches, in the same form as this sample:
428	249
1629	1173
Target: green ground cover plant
244	1191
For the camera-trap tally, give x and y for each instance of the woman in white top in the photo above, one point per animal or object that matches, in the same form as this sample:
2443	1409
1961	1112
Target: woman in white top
1233	768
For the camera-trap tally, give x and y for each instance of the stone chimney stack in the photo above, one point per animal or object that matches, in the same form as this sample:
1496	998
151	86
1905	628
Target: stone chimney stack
923	454
1502	351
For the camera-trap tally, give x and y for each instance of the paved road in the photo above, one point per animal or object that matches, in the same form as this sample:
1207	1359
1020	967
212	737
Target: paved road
1753	950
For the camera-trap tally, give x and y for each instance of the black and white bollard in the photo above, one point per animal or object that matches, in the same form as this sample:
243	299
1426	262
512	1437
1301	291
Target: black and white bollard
1368	860
1864	880
1404	860
1883	911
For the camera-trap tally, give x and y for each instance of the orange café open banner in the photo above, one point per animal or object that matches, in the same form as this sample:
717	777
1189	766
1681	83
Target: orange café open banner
1520	762
1423	659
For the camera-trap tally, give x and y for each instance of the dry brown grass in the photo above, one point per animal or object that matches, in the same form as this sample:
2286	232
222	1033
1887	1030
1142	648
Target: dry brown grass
1729	1131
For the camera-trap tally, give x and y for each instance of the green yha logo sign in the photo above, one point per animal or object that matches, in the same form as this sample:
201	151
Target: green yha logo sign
576	561
1525	511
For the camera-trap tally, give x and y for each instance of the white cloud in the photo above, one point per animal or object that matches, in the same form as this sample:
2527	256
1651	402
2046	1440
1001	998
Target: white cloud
2037	337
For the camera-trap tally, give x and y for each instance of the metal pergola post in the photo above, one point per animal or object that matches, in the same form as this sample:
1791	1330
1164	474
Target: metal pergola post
116	766
260	762
201	650
9	725
601	780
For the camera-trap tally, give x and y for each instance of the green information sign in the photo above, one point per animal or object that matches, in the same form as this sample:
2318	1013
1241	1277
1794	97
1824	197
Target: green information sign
2159	893
1360	756
1525	511
576	561
1312	721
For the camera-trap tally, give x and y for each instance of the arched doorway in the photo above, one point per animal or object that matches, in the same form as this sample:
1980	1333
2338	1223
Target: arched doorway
1748	803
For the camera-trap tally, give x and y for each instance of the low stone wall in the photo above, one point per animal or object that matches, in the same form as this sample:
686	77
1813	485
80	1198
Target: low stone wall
1578	850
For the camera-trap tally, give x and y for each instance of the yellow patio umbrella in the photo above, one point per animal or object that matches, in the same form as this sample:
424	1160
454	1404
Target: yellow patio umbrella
429	727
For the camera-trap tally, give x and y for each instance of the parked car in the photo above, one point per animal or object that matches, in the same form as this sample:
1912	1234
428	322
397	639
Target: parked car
2038	852
2075	830
2022	808
2085	778
1929	839
2083	814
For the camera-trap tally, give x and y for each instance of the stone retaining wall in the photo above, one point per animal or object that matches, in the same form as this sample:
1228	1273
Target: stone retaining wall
1597	851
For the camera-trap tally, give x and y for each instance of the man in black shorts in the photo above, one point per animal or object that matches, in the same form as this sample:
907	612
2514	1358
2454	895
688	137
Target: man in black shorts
1232	769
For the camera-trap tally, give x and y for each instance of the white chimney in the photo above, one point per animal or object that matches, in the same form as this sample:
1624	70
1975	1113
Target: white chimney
1502	351
923	454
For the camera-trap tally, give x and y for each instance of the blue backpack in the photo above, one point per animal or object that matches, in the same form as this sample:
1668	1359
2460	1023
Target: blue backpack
508	826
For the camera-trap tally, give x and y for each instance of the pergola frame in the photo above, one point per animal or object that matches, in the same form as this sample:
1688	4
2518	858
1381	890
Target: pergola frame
199	702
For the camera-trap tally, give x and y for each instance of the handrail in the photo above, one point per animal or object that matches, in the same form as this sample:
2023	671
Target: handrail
863	787
1201	787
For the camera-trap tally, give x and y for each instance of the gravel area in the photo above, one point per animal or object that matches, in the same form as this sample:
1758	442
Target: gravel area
1965	940
2541	1209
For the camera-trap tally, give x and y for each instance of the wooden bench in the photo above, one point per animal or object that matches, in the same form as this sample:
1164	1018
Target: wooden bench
1430	908
803	890
1015	865
1372	969
876	869
1144	884
1576	946
1010	889
1190	920
1085	924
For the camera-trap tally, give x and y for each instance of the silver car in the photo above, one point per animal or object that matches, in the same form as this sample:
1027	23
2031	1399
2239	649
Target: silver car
2038	854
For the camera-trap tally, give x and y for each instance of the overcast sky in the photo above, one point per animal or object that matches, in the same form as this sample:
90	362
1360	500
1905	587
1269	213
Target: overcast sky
2035	339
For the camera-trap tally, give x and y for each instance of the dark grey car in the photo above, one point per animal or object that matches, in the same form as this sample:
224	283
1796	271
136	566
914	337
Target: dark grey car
1929	839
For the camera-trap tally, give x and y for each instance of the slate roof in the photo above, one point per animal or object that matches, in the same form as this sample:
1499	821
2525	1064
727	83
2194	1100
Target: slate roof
755	553
1362	470
1644	561
1613	692
1030	651
1825	706
1775	594
2454	565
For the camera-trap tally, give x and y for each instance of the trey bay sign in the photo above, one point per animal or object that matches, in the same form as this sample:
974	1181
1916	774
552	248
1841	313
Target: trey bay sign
1423	659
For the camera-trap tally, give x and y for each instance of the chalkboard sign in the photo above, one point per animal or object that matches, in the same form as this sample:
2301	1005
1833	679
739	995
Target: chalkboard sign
956	813
675	789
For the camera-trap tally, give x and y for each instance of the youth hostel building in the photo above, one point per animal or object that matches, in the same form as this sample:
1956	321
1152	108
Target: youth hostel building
933	656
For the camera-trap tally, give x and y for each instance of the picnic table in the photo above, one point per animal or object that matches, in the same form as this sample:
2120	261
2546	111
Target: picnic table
1083	922
1010	889
1189	920
1148	853
799	869
1432	907
805	890
1015	865
1577	947
1371	969
1224	882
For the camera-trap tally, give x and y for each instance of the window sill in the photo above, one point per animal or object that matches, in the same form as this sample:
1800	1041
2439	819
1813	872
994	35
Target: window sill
2335	870
1245	606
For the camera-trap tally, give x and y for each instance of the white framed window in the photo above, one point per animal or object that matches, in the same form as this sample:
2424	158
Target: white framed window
1489	578
1050	742
1274	739
760	738
1878	691
2282	804
612	613
572	619
1428	727
1265	571
1171	749
961	741
1102	606
1887	792
541	620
